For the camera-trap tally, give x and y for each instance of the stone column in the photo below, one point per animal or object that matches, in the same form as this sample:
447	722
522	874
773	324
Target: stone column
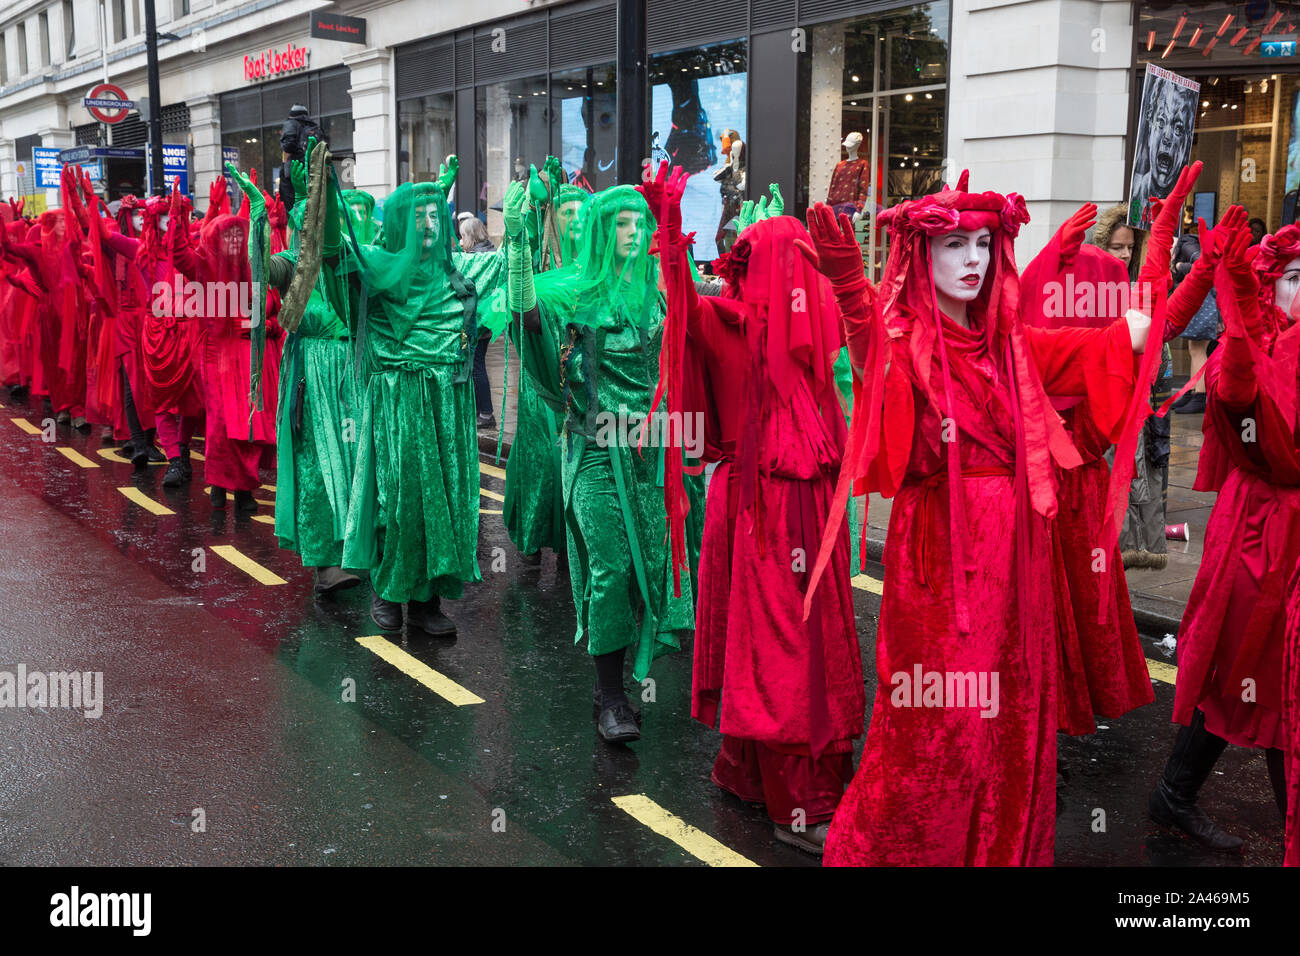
205	131
1038	104
374	121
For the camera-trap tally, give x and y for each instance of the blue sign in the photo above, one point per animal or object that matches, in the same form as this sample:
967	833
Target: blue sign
84	154
45	160
176	163
230	154
94	170
1277	47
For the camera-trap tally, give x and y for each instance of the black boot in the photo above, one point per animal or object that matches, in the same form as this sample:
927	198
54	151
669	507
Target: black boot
245	503
1276	758
217	495
174	477
332	579
186	470
427	617
616	722
1173	801
386	614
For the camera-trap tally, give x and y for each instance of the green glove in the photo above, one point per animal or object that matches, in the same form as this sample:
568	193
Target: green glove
760	211
777	206
536	188
513	209
447	174
256	201
746	217
555	173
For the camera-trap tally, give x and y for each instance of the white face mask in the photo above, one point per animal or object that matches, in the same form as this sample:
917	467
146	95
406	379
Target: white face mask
1284	289
137	221
162	222
959	261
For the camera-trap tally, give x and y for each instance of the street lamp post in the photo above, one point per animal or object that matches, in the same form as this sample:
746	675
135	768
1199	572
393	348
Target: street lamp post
631	90
155	98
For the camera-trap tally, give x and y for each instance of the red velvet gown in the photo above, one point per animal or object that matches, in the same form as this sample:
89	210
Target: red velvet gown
943	785
24	296
1291	709
1102	668
1234	627
789	692
234	440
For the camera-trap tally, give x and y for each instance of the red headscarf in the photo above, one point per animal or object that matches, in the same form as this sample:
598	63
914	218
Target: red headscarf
905	309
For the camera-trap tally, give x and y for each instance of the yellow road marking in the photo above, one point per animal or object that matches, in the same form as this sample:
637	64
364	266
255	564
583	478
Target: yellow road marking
113	454
413	667
867	583
491	494
492	471
1159	670
196	456
26	426
76	457
145	502
695	842
487	511
247	565
270	488
264	519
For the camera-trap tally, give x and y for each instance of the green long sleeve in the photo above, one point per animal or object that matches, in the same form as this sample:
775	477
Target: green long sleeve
519	284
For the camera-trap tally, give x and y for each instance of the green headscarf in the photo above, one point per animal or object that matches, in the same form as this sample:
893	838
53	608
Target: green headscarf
363	222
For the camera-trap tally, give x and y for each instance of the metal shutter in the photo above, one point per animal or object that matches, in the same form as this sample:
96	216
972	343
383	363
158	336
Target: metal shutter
426	67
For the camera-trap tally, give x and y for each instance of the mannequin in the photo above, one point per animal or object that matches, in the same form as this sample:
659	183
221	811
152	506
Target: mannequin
731	179
851	181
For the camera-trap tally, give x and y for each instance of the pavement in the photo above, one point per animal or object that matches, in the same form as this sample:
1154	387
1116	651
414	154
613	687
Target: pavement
244	723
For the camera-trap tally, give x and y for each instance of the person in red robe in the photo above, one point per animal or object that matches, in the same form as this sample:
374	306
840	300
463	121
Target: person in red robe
952	418
787	693
236	432
1102	667
21	306
54	266
1291	713
1231	643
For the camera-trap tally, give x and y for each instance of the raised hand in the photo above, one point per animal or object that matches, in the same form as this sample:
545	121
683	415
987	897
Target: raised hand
1073	231
777	206
536	188
652	188
513	209
447	173
1214	242
555	173
837	254
256	201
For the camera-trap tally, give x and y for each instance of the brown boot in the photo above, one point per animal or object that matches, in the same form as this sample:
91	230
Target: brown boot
329	580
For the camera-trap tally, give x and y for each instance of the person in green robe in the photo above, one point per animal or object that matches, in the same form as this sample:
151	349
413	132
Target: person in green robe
533	510
591	339
413	512
317	414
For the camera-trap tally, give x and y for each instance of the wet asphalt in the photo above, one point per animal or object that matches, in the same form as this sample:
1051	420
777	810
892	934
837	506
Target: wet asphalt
229	735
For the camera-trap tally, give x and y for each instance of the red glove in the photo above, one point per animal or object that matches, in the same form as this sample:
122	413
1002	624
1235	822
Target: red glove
837	256
1155	267
663	194
1071	234
1191	292
1239	305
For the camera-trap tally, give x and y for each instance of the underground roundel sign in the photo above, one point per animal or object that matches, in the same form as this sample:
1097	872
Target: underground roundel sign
108	103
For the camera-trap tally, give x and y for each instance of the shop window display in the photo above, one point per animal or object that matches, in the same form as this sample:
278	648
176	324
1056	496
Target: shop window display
513	126
426	136
698	120
585	129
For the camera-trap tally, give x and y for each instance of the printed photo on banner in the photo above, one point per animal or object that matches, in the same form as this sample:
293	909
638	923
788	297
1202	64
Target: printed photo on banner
1164	139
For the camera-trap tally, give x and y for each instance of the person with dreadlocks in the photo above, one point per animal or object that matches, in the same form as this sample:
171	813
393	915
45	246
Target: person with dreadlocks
952	418
591	340
318	406
533	510
789	690
239	392
413	515
1232	642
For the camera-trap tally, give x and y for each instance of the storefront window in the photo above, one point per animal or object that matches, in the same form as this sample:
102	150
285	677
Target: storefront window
584	118
699	120
875	98
513	132
427	136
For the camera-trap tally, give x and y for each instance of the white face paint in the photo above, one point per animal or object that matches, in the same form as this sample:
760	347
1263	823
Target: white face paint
137	221
959	261
1284	289
162	222
429	215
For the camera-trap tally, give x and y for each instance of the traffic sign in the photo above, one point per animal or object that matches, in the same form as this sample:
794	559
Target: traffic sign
108	103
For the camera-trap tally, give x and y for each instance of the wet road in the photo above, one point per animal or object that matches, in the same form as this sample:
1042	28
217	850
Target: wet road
229	734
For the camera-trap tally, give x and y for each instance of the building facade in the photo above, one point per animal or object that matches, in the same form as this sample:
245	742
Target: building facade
1037	96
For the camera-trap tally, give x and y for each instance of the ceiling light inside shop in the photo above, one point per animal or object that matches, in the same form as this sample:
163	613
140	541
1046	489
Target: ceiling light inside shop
1196	37
855	78
908	97
1182	22
1227	22
1205	103
1151	40
1273	22
1236	37
929	96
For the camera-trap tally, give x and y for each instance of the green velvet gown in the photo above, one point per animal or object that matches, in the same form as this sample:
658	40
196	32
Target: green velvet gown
314	463
619	564
414	514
